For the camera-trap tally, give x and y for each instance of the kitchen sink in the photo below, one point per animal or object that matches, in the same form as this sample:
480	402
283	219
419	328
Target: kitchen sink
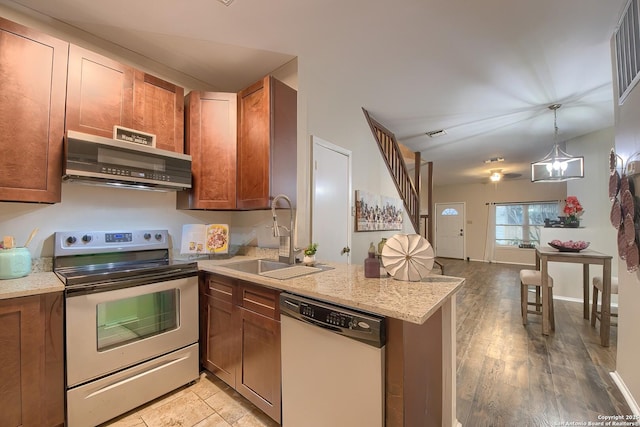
257	266
273	269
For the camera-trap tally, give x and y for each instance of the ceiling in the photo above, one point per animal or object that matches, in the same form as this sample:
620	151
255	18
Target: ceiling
485	71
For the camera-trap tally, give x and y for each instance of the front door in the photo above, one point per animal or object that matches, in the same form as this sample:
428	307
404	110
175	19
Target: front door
450	230
331	203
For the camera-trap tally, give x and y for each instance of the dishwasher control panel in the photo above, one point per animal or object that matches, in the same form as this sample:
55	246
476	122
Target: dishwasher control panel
365	327
333	317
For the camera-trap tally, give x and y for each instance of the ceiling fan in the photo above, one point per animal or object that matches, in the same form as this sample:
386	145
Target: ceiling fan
496	176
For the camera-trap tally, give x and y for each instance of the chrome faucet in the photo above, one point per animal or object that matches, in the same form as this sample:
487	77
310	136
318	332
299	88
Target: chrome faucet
286	252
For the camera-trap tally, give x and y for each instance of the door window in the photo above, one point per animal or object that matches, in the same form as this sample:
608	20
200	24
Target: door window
132	319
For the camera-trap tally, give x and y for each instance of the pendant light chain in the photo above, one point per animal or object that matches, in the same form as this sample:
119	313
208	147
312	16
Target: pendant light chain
555	126
555	107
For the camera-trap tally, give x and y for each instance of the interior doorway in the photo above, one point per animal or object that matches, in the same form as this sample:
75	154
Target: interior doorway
331	200
450	241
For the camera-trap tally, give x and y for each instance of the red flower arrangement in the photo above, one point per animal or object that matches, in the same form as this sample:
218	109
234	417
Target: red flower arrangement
572	207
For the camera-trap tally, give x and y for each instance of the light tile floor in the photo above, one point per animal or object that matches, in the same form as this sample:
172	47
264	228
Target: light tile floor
207	403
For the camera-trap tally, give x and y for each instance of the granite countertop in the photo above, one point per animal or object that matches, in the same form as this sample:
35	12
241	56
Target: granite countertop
342	284
33	284
346	285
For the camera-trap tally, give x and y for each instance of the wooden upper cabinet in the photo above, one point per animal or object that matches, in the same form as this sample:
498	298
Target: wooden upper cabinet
99	93
267	143
159	109
33	72
211	133
102	93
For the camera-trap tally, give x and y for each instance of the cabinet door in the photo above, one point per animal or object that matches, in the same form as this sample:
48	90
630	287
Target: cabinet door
21	362
33	70
284	143
220	346
259	375
99	93
54	393
254	141
211	131
159	109
267	143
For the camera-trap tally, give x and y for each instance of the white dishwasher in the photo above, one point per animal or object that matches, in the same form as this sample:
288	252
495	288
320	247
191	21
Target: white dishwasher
332	365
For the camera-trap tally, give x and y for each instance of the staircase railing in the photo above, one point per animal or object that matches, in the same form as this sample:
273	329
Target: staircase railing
409	192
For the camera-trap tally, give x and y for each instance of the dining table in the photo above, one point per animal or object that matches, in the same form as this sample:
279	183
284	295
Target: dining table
586	257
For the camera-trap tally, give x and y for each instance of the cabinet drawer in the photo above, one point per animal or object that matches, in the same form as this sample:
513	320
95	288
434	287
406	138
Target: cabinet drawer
260	300
220	287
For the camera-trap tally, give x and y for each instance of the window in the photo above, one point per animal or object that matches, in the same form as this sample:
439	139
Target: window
519	223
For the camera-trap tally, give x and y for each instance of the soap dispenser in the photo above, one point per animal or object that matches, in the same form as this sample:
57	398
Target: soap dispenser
371	263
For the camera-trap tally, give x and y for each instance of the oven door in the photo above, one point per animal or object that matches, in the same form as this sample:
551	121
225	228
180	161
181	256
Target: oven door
109	331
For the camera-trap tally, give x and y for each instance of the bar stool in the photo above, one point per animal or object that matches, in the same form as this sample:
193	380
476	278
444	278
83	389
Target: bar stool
533	278
597	287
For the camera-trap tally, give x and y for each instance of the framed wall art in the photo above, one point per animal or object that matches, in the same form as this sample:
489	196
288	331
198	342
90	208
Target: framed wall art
377	213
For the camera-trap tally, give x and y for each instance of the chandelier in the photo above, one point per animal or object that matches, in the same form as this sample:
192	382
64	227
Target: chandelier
557	166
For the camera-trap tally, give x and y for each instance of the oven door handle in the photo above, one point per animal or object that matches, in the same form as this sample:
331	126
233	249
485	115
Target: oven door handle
111	285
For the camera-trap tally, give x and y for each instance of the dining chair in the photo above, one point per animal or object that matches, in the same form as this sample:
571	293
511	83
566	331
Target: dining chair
533	278
597	288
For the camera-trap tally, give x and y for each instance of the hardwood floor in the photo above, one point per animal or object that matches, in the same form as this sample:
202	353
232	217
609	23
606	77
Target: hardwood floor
511	375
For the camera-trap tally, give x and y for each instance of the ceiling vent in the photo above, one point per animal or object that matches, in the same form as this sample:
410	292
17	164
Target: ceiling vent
436	133
628	50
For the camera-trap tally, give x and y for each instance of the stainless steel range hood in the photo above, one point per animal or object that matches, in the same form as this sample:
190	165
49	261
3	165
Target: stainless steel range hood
96	160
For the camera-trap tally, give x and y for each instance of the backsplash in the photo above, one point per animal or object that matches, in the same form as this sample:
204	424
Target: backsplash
42	265
45	264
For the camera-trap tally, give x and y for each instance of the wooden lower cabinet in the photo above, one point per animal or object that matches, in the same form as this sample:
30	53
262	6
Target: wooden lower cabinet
240	339
259	378
219	331
31	361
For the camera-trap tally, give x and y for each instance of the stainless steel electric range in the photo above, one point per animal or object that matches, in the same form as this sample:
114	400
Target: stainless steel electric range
131	321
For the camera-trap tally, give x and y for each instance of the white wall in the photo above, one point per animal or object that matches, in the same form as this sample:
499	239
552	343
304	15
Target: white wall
595	226
86	207
476	197
338	119
592	191
627	137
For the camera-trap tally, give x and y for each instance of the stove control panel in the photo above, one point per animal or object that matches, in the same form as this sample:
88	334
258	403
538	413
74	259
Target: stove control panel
118	237
90	242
